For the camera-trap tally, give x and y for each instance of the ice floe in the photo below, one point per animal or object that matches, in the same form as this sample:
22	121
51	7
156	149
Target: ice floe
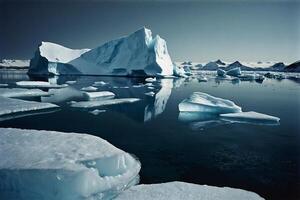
13	106
98	95
202	102
98	103
150	94
89	89
182	190
21	92
38	84
62	166
251	117
97	111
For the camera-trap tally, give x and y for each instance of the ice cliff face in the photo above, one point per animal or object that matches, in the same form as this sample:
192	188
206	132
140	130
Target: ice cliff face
138	54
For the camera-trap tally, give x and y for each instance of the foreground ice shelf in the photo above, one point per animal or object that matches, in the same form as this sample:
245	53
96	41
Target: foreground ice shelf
62	166
181	190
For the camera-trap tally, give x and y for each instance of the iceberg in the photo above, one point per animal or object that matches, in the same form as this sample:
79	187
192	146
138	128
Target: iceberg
13	106
98	95
98	103
138	54
21	92
182	190
221	72
62	166
234	72
38	84
202	102
250	117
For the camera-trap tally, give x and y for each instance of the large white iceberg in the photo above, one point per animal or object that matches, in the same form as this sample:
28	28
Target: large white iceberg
138	54
181	190
62	166
202	102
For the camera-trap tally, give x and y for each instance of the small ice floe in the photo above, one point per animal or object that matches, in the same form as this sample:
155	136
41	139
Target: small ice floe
57	165
138	86
39	84
98	103
250	117
21	92
151	88
182	190
13	106
202	79
63	95
120	87
150	94
202	102
99	83
149	84
3	84
89	89
150	79
96	111
70	82
234	72
98	95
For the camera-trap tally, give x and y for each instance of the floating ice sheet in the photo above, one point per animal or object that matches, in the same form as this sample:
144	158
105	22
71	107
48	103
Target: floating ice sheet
98	103
251	117
62	166
38	84
181	190
21	92
99	95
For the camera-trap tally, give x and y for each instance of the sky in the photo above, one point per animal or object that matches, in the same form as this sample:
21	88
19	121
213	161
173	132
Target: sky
200	31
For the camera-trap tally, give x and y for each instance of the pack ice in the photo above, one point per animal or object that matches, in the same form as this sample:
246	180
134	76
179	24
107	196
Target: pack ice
181	190
138	54
62	166
202	102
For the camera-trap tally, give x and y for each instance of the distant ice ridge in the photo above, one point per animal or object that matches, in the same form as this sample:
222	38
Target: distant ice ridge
62	166
138	54
181	190
202	102
12	63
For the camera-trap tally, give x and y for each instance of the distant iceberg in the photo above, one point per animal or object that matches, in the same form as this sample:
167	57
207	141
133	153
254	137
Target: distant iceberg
182	190
202	102
138	54
62	166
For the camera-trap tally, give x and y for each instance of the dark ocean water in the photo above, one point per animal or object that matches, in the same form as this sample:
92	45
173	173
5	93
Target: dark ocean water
260	158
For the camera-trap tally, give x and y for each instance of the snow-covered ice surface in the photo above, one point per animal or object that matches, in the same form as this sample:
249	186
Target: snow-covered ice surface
62	166
188	191
13	106
38	84
21	92
138	54
202	102
98	103
251	117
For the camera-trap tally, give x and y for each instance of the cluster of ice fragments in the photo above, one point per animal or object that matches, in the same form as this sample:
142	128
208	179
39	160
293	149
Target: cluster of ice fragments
205	111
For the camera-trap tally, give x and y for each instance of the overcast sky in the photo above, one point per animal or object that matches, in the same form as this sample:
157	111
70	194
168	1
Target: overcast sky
194	30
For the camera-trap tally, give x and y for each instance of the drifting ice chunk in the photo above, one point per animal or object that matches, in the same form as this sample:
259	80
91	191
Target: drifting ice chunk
89	89
38	84
21	92
99	83
63	95
99	95
181	190
98	103
251	117
12	106
150	79
71	82
234	72
221	72
3	84
96	112
202	102
150	94
62	166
